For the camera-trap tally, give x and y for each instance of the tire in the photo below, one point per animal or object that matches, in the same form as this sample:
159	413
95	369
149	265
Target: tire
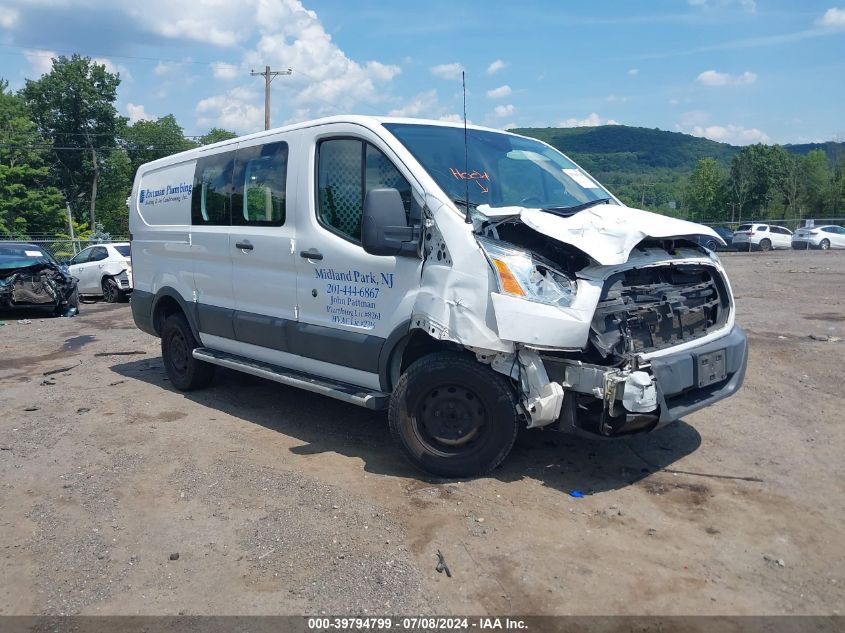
111	293
185	372
765	244
824	244
712	245
72	304
423	409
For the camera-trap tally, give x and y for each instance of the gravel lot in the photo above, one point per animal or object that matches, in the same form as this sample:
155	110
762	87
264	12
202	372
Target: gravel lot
281	502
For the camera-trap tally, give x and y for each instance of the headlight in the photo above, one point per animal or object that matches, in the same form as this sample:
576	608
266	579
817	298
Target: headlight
522	274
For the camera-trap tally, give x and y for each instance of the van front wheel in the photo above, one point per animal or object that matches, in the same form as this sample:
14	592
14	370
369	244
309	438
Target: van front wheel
177	346
453	417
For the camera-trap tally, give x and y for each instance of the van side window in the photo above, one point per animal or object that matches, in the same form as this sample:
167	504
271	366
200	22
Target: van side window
260	185
210	200
346	170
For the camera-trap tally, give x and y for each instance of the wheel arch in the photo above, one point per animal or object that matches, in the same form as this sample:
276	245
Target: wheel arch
404	346
168	301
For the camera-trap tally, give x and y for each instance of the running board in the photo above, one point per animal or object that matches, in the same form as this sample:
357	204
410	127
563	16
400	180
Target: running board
374	400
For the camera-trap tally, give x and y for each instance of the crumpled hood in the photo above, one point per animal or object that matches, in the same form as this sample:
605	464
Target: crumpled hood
608	233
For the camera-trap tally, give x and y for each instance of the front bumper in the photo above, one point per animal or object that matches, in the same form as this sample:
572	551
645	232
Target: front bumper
676	379
675	393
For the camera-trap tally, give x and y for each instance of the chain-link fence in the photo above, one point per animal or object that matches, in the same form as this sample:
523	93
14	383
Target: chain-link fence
63	249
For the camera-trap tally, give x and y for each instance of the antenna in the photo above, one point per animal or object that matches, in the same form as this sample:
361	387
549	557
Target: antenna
468	218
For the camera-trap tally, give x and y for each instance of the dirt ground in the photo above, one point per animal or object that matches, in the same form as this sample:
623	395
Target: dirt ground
282	502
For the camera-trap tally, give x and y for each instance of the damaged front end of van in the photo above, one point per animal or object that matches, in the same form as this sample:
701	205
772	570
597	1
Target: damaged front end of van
609	320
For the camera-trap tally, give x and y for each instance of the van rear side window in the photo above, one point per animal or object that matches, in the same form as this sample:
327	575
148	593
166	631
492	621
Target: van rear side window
260	185
210	201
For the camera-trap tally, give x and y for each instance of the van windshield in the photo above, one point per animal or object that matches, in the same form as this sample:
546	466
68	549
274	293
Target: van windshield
501	169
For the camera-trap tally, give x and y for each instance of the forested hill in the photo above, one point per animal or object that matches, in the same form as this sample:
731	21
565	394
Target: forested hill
637	162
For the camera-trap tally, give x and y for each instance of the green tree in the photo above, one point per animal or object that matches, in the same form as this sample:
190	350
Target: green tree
29	201
116	185
147	141
215	135
705	191
816	182
788	179
73	106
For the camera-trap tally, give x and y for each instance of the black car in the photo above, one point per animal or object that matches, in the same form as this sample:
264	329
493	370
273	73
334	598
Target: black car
32	278
709	242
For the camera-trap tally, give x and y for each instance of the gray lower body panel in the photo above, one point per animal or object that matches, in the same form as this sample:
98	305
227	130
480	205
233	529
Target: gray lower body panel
677	376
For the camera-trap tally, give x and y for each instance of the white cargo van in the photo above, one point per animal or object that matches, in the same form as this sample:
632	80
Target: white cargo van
468	285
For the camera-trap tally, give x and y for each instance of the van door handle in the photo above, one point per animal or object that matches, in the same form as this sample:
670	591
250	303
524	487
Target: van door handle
244	246
311	253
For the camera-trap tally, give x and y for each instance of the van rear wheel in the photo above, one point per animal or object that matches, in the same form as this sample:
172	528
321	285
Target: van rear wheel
453	417
177	346
765	244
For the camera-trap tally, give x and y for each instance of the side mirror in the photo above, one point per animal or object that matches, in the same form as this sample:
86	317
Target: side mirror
384	227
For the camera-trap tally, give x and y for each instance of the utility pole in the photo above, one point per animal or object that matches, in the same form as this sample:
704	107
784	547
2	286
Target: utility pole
269	75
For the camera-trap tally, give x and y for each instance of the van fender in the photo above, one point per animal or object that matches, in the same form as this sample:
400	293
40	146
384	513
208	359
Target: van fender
189	309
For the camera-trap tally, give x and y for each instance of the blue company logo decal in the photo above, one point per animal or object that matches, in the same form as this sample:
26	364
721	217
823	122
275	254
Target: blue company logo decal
168	193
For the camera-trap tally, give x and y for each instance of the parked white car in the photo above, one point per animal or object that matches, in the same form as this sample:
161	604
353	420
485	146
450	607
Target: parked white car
104	270
761	236
823	237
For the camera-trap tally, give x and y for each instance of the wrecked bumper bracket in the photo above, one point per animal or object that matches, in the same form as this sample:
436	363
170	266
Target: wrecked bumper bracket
670	389
677	377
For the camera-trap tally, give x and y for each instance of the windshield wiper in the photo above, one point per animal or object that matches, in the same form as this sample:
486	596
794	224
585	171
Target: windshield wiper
463	202
567	211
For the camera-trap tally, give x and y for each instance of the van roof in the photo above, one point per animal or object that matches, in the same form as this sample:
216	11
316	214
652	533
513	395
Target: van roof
360	119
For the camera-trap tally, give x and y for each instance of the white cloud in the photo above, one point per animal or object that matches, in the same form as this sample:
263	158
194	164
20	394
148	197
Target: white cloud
208	22
452	118
235	110
692	118
495	67
324	81
423	104
633	72
714	78
163	69
448	71
113	68
503	111
509	126
592	120
499	93
9	17
227	72
833	18
137	113
40	61
734	134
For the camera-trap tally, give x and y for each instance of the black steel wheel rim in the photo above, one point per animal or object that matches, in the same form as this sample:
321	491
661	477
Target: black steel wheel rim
178	352
450	419
108	290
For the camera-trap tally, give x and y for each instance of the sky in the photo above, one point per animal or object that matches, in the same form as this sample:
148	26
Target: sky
737	71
